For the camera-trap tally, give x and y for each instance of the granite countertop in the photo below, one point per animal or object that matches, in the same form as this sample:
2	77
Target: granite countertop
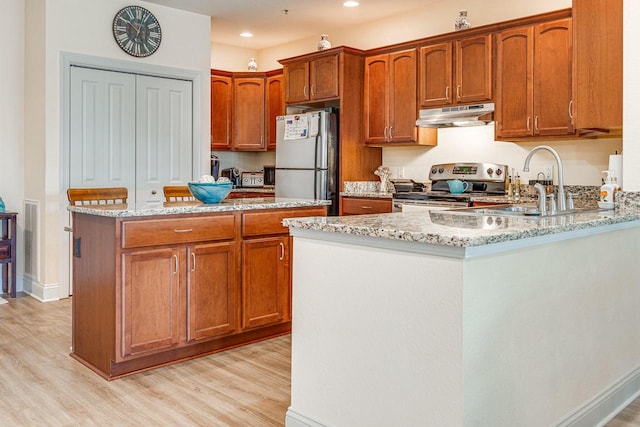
177	208
459	229
368	194
254	190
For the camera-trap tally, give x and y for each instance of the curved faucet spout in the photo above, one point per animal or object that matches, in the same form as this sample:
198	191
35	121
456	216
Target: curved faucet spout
561	198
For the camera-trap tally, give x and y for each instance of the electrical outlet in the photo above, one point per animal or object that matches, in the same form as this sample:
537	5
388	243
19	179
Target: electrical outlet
400	172
548	171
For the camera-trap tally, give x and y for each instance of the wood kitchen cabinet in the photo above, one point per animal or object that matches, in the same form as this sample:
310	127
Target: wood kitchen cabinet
154	290
534	89
248	114
597	30
275	106
390	109
312	79
456	72
365	205
221	108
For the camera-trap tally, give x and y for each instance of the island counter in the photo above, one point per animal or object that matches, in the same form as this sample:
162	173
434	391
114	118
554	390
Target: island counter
438	319
156	286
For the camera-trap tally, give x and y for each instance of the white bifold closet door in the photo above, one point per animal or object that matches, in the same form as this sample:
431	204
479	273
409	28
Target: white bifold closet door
131	131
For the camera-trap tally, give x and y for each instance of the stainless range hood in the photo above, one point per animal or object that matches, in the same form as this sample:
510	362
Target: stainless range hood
461	115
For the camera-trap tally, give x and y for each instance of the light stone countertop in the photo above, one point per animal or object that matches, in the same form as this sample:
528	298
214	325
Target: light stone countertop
459	229
179	208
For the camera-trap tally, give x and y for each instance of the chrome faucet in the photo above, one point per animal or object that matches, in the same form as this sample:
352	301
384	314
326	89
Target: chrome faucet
562	206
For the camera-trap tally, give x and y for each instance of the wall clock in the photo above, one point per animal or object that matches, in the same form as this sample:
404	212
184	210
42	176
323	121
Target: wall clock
137	31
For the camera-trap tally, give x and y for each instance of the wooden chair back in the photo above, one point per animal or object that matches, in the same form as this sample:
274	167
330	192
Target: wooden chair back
177	193
113	196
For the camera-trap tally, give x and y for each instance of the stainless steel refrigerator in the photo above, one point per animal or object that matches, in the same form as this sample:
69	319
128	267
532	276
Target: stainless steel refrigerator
307	157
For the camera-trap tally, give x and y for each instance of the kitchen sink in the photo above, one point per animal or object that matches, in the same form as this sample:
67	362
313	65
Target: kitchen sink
518	210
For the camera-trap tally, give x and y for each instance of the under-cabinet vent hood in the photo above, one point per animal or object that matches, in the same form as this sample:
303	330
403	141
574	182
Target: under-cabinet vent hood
461	115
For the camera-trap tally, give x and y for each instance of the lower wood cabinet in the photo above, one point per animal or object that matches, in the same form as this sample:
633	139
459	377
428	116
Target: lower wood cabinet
154	290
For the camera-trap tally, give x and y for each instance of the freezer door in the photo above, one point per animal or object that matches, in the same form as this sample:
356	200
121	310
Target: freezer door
309	152
296	183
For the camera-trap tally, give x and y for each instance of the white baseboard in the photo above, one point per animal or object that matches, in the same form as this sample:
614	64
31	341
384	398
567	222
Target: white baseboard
607	404
295	419
41	292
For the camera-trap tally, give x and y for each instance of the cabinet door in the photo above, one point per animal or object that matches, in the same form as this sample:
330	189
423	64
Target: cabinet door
275	107
474	62
514	88
376	98
221	103
248	114
436	69
402	96
296	77
265	281
553	81
323	76
211	290
150	289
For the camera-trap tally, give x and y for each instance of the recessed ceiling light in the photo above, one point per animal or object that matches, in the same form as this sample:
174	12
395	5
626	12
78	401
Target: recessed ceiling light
351	4
246	34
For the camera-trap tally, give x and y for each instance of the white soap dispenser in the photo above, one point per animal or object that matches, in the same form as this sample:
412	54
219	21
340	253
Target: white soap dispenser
608	191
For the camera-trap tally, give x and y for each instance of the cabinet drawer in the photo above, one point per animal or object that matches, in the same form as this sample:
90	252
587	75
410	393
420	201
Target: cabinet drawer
363	205
259	223
180	230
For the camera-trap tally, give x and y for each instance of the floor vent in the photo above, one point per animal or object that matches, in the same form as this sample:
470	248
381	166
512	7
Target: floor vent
31	239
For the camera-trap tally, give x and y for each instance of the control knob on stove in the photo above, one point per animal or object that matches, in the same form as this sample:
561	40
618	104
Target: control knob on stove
499	172
441	170
434	170
490	171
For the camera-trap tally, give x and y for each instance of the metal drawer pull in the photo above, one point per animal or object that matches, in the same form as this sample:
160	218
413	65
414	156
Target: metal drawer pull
281	251
366	207
69	229
186	230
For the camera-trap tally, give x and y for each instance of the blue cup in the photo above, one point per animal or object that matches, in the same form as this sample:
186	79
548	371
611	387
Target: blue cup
457	187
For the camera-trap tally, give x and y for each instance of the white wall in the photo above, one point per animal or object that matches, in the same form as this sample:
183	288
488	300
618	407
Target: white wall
631	90
85	27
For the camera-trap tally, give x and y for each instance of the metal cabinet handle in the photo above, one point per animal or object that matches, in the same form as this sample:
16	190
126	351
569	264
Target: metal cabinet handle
536	123
313	90
571	109
193	261
384	133
69	229
366	207
304	91
528	123
458	92
391	133
446	93
175	268
185	230
281	251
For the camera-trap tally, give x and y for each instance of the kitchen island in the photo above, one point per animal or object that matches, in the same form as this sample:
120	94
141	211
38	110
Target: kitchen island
156	286
452	319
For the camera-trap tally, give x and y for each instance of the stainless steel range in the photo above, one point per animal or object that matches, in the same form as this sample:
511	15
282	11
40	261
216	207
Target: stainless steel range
482	178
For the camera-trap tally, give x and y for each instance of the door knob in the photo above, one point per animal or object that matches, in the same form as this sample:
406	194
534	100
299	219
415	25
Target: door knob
154	192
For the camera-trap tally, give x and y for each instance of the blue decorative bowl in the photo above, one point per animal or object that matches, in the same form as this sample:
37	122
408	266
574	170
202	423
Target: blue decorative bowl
210	192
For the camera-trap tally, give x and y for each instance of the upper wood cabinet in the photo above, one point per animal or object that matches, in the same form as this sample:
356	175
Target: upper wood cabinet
314	79
456	72
221	104
389	97
275	107
248	114
597	29
534	84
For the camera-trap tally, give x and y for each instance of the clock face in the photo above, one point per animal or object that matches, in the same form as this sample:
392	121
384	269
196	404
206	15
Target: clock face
137	31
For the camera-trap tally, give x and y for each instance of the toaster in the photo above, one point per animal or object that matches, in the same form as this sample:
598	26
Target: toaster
252	179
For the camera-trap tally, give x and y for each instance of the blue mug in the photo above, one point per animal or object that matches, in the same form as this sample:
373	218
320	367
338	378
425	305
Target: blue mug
457	187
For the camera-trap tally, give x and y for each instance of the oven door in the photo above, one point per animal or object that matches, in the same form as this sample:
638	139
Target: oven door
422	205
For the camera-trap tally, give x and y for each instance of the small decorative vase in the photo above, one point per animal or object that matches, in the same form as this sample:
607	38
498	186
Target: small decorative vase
324	43
253	65
462	22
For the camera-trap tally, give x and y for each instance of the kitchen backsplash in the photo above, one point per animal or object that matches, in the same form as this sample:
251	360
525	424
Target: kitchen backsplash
250	161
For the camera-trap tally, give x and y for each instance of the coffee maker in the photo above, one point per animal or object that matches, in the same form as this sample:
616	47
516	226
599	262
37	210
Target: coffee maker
233	174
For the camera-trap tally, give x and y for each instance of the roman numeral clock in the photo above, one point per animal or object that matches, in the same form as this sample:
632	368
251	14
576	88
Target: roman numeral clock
137	31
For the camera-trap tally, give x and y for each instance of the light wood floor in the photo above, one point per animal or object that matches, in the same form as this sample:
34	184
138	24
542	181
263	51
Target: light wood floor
40	384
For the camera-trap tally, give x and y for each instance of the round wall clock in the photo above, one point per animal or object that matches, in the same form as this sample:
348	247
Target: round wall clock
137	31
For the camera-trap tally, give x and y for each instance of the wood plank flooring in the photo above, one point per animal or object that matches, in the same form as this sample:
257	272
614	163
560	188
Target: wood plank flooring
40	384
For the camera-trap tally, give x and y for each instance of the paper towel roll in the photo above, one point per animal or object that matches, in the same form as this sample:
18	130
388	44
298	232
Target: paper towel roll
615	165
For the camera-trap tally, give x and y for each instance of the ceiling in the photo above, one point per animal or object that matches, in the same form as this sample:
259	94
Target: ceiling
271	26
